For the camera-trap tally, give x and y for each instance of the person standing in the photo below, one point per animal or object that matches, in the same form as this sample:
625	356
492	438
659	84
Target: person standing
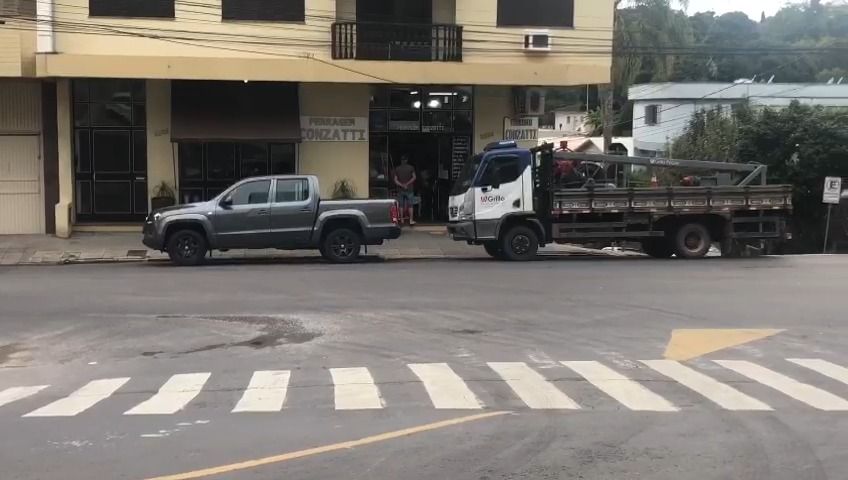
405	178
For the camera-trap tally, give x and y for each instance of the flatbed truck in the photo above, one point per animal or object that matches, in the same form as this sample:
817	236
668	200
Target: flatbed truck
514	200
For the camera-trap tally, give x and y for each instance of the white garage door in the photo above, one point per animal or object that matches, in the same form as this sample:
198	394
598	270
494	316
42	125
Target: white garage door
21	202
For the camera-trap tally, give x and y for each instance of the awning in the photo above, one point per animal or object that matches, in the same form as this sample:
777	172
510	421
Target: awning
234	111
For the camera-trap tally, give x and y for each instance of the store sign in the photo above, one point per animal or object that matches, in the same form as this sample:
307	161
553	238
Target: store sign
523	130
334	129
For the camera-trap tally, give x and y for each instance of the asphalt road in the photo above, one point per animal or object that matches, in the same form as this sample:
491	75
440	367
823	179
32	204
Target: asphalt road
423	370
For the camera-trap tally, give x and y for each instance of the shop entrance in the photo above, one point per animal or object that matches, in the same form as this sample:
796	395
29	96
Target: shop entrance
432	126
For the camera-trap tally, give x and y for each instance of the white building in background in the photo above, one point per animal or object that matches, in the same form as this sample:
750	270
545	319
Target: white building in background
661	111
571	121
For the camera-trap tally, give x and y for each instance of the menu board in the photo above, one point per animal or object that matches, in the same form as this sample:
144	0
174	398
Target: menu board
459	155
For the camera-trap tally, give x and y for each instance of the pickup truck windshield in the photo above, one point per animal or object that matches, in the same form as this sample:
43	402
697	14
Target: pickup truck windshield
466	176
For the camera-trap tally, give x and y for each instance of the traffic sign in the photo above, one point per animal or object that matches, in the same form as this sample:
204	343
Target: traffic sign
832	190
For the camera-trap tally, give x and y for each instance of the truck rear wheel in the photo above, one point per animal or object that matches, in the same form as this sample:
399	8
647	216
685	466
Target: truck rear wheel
341	245
692	240
494	250
519	244
658	248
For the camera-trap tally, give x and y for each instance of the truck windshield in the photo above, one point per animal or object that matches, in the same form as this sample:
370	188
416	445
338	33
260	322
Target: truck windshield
466	176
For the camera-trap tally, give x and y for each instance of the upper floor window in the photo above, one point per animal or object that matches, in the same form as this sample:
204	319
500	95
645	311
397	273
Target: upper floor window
535	13
264	10
652	115
131	8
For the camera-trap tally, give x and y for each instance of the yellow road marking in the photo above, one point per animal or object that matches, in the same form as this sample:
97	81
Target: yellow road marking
382	437
686	344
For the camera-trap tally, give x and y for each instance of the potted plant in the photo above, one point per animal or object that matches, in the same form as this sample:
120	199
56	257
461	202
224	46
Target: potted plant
344	190
163	196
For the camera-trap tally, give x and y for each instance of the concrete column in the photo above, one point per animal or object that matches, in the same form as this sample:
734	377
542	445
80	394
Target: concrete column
334	161
161	153
64	118
491	105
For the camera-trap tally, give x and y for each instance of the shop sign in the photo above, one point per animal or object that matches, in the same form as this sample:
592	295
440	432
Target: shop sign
334	129
522	130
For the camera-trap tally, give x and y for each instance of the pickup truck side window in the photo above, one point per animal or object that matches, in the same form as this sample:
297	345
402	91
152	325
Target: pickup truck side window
502	170
292	190
251	193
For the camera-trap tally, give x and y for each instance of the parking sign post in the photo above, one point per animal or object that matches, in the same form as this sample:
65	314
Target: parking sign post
831	196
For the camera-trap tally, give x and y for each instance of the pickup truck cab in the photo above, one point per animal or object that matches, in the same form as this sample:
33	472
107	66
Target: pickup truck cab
283	212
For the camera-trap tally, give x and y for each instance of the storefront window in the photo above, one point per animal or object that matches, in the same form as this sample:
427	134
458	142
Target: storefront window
207	169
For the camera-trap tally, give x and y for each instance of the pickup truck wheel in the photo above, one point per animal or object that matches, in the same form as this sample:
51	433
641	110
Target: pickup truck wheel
187	247
494	250
692	240
658	248
520	244
341	245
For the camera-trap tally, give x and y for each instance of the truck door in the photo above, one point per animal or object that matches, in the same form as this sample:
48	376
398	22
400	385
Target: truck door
242	219
500	191
292	212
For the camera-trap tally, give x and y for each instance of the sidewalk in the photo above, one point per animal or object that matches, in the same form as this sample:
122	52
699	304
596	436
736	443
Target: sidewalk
417	243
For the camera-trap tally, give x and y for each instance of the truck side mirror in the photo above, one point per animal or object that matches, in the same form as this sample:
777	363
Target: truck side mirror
226	202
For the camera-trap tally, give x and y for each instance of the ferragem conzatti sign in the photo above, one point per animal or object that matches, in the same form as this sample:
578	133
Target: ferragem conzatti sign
334	129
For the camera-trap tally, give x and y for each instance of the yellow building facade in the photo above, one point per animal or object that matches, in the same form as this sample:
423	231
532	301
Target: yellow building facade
198	94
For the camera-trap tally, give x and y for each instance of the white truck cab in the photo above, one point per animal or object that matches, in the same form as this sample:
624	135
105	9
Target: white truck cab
493	187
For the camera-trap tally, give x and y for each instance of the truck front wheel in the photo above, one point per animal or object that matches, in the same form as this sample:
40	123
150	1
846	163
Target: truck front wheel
187	247
519	244
692	240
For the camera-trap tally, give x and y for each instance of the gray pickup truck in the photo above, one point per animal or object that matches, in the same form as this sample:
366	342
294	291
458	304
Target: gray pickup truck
283	212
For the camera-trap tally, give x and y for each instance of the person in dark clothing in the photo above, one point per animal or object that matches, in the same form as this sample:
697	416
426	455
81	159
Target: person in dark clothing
405	178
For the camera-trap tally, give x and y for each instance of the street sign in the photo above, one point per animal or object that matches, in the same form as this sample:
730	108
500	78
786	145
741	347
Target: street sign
832	190
524	131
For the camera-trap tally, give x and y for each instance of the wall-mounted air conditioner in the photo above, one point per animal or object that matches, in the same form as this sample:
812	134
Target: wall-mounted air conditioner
537	41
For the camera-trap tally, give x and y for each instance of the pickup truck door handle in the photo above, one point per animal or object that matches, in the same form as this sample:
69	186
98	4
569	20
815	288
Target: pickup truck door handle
486	189
306	209
261	211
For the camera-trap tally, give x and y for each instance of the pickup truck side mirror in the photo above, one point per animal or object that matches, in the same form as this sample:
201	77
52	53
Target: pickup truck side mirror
226	202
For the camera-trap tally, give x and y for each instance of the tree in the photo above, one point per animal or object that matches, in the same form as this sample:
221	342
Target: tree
800	145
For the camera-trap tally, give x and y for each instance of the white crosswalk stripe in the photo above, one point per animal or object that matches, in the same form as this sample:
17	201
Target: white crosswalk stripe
533	389
629	393
724	395
445	388
266	392
81	400
355	389
14	394
173	396
823	367
815	397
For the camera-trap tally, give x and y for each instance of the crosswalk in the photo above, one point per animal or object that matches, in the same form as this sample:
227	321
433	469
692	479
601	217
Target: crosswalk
655	386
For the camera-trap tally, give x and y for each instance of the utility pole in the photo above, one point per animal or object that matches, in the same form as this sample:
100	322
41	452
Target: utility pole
607	106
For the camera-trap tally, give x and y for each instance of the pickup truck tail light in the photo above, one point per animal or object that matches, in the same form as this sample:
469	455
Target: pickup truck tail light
394	213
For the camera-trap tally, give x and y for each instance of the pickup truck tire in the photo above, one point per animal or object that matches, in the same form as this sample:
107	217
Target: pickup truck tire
658	248
692	240
494	250
341	245
519	244
187	248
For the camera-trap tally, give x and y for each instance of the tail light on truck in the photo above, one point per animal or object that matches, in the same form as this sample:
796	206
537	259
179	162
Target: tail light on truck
394	212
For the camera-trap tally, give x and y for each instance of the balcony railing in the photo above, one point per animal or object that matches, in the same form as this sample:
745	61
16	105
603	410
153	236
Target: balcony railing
397	41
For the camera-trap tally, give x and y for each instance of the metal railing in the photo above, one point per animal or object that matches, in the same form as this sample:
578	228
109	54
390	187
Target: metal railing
397	41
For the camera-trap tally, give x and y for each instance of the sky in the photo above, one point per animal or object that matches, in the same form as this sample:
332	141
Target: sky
754	8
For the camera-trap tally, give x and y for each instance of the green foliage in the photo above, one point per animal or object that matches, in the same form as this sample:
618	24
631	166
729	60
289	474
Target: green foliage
800	144
658	24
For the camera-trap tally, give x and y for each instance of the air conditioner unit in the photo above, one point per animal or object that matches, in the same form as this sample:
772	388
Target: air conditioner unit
537	41
529	101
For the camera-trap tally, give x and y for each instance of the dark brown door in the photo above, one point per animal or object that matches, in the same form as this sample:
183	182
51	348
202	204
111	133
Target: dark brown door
110	150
